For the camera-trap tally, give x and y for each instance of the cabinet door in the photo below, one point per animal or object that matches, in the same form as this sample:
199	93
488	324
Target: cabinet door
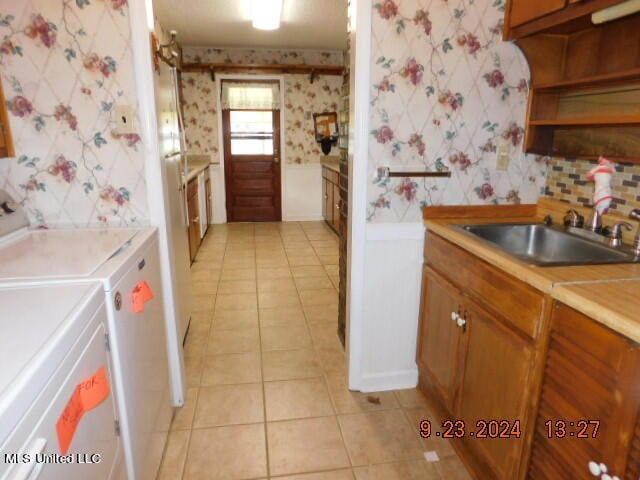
194	225
523	11
207	192
336	208
439	335
327	211
591	374
495	385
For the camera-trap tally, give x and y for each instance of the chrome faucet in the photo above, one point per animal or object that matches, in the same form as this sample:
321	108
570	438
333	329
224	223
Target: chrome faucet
595	221
635	214
573	219
615	237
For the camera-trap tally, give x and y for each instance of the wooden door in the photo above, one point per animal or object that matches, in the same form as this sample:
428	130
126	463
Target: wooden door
252	165
591	374
497	373
193	210
439	335
523	11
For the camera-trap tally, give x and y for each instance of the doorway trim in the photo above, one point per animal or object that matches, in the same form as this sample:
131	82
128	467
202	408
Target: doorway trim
283	153
359	119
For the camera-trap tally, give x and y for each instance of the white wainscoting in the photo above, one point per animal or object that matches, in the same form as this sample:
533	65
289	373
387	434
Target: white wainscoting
218	201
302	193
392	286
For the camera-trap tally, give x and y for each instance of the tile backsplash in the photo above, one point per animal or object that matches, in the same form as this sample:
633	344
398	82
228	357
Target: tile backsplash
65	66
566	181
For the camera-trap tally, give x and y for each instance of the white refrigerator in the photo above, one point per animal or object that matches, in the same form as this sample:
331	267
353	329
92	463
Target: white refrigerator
174	161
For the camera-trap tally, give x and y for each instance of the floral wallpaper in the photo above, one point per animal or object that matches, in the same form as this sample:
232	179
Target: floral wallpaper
301	99
65	66
261	55
567	181
446	93
200	111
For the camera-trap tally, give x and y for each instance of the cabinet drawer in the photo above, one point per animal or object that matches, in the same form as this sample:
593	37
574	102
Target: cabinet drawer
509	297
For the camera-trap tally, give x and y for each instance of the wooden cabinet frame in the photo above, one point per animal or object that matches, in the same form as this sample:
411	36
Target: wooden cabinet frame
585	79
513	329
6	141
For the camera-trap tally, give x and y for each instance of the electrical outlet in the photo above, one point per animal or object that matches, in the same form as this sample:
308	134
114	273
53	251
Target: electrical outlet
124	119
502	162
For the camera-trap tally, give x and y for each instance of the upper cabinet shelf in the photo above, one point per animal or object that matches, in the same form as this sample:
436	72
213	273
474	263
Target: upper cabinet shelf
528	17
585	78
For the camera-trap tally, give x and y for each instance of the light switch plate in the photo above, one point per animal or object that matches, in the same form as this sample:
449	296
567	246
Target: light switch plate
502	162
124	119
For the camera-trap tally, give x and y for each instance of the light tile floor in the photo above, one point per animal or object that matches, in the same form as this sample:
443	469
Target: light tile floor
267	390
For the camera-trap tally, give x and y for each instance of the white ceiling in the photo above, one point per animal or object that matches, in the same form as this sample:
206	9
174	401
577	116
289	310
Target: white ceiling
311	24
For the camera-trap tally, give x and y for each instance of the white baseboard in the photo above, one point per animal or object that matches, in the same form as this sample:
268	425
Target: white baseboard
397	380
303	218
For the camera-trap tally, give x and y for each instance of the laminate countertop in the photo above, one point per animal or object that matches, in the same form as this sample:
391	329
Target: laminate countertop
195	170
332	163
610	294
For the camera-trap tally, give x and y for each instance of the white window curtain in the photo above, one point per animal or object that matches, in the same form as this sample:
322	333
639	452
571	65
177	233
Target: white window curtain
250	96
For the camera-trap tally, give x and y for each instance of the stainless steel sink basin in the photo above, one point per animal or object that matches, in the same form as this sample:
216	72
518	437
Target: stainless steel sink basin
543	245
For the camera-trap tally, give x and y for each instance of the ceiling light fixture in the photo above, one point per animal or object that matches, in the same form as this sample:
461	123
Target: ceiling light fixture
265	14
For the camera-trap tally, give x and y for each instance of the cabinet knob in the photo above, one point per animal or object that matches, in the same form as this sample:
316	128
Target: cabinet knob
595	469
454	316
461	322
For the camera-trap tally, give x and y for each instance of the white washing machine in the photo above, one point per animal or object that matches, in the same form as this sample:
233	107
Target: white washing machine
53	344
126	263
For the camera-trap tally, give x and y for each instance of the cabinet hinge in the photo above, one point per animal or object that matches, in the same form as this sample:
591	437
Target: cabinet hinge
107	343
116	426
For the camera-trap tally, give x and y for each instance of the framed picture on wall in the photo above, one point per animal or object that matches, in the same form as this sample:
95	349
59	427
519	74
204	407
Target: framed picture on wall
325	125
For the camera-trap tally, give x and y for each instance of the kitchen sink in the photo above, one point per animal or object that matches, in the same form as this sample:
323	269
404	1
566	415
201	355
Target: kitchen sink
545	245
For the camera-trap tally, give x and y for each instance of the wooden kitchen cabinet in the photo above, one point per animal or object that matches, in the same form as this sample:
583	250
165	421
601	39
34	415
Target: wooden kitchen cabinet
523	11
494	387
6	142
193	211
526	17
331	198
439	336
592	374
585	80
335	218
478	341
207	190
